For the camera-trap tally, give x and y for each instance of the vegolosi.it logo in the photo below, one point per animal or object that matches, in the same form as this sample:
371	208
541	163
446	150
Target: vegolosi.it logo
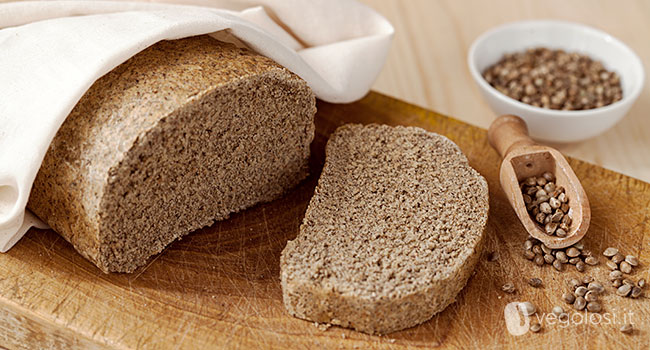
518	322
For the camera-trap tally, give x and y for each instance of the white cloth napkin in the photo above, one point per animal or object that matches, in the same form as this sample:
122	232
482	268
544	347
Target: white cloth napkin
51	52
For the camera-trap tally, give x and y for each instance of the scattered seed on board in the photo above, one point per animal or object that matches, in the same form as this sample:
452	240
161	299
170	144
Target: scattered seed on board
574	261
558	265
528	244
548	258
529	255
580	266
611	265
636	292
572	252
573	284
594	306
595	287
535	282
618	258
581	291
591	296
537	249
535	327
591	260
557	310
614	275
624	290
632	260
609	252
641	283
616	283
625	267
579	303
527	308
561	256
586	279
569	298
508	288
539	260
627	328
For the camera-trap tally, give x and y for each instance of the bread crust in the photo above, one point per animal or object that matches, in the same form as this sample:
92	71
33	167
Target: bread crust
320	275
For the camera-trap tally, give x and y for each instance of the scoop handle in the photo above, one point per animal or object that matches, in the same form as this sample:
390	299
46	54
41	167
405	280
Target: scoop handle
508	132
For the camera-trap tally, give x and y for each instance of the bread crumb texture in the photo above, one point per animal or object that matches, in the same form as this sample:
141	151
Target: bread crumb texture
392	233
182	134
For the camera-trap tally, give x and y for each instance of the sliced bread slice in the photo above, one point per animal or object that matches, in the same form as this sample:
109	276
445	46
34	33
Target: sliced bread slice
392	233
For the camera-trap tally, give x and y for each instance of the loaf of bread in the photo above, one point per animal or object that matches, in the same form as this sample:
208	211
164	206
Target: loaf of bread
182	134
392	233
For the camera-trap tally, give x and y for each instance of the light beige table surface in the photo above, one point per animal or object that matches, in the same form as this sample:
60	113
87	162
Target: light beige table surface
427	63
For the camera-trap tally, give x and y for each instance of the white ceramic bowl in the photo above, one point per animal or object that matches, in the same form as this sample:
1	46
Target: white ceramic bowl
555	125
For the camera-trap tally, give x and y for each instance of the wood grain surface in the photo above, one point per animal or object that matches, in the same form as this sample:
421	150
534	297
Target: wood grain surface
427	63
220	288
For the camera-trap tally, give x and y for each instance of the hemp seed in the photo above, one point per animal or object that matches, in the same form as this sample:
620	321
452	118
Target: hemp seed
572	252
594	306
625	267
626	329
529	254
554	79
535	327
618	258
611	265
508	288
591	296
641	283
615	275
591	260
636	292
527	308
632	260
581	291
595	287
569	298
557	310
579	303
609	252
535	282
624	290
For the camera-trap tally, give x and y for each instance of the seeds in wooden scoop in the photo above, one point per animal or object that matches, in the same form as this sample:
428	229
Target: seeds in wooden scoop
545	201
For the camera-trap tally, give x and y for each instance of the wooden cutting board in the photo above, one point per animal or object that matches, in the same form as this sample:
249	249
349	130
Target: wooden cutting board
220	286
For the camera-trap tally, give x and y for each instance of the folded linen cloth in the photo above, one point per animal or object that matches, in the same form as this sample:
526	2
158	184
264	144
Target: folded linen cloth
51	52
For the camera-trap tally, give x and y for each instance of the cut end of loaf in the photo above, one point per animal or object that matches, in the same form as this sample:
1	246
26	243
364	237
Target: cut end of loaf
392	233
179	136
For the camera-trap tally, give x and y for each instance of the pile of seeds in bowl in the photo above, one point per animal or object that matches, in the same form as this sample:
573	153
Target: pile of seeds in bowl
583	294
555	79
547	204
622	265
575	255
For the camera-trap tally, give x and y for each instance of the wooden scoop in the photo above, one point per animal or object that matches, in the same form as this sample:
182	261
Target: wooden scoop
523	158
